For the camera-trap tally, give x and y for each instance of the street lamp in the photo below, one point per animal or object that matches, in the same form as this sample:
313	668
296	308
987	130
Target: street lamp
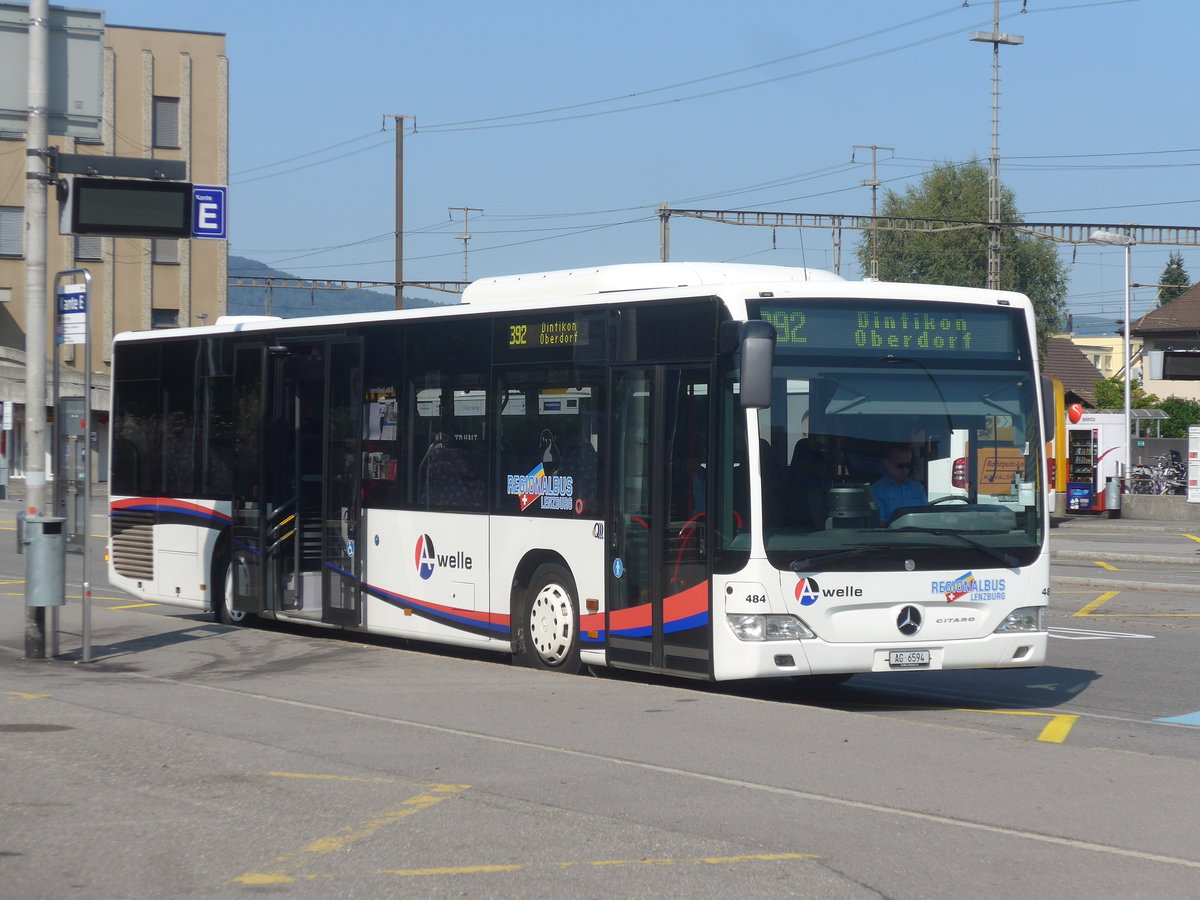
1114	239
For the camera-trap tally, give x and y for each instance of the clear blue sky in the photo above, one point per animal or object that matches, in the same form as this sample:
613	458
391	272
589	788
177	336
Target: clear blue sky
617	107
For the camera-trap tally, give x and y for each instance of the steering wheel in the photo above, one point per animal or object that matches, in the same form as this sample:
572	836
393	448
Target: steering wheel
949	498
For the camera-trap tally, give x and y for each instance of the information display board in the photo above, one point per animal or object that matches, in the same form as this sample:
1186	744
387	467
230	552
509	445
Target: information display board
1193	464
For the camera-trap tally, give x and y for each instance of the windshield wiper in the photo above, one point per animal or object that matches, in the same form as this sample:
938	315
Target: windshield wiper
1007	559
808	563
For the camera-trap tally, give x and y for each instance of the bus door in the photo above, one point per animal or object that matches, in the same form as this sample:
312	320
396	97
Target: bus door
659	572
341	564
249	498
295	503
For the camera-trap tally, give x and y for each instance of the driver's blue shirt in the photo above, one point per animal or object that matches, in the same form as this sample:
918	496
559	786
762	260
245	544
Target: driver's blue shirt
890	495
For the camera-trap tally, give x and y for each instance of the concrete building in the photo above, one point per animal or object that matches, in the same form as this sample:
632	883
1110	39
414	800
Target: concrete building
1108	353
1171	334
165	95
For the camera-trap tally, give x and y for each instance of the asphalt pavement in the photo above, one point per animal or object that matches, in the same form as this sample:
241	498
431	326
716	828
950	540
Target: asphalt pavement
1129	554
195	760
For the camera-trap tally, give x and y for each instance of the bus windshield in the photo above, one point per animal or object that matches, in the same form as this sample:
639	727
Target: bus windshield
900	435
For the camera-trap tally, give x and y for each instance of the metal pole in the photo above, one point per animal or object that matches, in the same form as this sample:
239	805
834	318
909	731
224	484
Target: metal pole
66	460
35	295
466	235
995	38
86	626
1126	451
873	183
399	211
1112	239
664	233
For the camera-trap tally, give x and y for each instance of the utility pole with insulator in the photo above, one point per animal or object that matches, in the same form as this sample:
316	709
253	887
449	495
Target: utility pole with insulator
995	38
873	183
399	204
466	235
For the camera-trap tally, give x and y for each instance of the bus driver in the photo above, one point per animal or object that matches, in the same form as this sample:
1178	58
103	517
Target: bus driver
896	489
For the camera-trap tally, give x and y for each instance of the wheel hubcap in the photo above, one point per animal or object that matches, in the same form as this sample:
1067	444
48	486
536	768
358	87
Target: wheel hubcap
233	615
551	624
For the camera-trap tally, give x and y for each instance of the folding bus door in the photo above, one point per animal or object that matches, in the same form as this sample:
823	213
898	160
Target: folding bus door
249	503
298	408
341	478
659	609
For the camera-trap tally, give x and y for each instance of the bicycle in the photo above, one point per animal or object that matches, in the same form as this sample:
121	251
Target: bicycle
1164	475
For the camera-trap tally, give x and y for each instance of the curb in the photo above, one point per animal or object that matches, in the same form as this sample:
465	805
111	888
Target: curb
1086	528
1116	584
1126	557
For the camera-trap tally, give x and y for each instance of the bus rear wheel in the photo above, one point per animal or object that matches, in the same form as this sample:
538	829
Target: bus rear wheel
548	628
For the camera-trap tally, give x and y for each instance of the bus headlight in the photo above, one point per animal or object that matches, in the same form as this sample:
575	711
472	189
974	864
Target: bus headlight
1028	618
768	628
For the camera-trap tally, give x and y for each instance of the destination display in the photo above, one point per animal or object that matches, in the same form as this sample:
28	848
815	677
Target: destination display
535	332
895	328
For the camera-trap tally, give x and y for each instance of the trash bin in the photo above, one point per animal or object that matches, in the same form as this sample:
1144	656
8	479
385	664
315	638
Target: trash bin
46	567
1112	497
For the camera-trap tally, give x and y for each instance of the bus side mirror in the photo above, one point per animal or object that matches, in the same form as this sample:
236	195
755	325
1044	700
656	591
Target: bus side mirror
758	362
1049	423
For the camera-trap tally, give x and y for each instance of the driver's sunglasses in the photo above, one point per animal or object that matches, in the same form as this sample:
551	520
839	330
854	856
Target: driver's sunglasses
901	465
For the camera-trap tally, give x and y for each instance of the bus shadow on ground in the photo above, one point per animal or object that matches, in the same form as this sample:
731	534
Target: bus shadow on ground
1038	688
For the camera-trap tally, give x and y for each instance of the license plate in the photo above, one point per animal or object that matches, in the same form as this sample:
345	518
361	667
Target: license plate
908	659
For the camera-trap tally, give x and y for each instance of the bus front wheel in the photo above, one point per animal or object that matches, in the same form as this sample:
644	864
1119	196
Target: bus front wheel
226	614
548	627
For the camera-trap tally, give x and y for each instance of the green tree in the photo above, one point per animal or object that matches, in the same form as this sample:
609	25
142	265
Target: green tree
960	193
1110	394
1174	277
1182	412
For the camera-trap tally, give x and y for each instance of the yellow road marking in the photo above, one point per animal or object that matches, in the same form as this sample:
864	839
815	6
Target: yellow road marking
340	840
1192	537
1105	565
331	777
703	860
517	867
1056	729
456	870
131	605
1089	611
23	696
1096	604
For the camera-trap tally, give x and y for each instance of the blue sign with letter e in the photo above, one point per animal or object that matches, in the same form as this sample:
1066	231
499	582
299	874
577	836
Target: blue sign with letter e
209	212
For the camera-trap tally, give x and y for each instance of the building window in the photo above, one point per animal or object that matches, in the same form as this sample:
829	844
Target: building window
1181	366
12	226
166	122
164	318
165	251
87	247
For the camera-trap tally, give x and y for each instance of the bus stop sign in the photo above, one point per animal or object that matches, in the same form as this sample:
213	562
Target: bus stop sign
208	212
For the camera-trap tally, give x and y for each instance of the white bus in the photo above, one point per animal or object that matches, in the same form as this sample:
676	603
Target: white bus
663	467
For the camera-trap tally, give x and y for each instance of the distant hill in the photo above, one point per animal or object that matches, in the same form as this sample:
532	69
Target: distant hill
1094	326
290	303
